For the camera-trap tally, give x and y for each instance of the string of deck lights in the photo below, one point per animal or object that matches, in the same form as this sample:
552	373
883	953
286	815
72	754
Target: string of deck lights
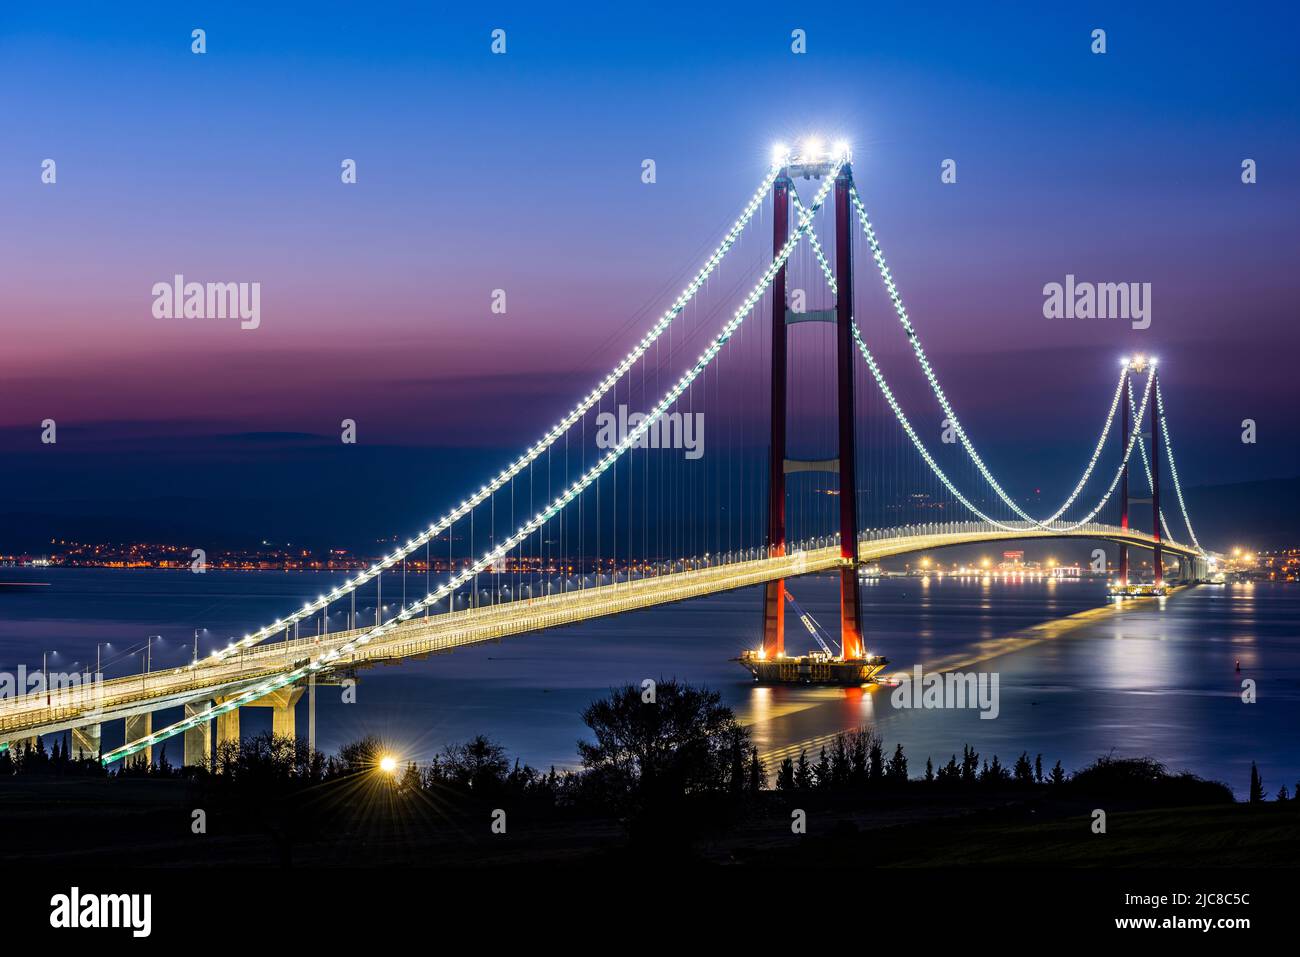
328	658
465	507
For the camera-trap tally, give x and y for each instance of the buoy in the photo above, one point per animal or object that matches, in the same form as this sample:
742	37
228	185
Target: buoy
1238	664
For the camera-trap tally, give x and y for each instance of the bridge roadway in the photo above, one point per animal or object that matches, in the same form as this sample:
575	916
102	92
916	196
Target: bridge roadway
42	713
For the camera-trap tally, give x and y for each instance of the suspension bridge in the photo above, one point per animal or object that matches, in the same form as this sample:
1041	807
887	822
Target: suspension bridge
593	522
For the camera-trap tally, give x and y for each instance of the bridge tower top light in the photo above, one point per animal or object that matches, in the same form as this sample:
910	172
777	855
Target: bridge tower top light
812	159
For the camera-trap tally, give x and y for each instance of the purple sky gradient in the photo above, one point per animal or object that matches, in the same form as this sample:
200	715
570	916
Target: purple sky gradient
522	172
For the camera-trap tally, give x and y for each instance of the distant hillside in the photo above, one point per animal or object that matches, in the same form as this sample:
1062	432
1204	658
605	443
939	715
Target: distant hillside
1259	515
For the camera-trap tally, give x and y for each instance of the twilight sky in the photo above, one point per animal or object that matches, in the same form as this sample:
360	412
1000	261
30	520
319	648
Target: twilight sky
522	172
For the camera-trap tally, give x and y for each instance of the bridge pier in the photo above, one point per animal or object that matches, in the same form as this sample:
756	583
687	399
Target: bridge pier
86	740
16	744
283	717
227	726
198	740
311	713
140	726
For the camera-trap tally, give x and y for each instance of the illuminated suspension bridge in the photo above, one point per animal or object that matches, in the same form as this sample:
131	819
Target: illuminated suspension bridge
610	512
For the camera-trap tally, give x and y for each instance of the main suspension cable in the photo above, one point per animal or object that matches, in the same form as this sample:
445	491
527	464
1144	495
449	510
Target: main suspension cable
335	655
578	411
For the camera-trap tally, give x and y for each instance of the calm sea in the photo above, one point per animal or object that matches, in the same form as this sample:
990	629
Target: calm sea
1157	680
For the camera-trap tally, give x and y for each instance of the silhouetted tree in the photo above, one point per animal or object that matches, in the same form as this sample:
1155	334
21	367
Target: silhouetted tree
841	764
736	749
929	769
1038	769
657	754
411	780
897	771
996	773
478	766
1058	773
785	775
876	760
950	773
357	757
859	749
757	773
970	762
803	773
1256	785
1147	781
822	771
1024	773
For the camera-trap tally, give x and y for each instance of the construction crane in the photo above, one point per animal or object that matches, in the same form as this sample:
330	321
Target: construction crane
813	625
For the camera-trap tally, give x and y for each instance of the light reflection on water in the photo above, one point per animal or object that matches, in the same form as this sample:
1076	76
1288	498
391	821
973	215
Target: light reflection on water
1156	679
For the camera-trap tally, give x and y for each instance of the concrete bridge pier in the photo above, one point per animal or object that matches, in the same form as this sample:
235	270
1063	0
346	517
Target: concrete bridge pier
284	716
86	740
311	712
227	726
198	741
140	726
